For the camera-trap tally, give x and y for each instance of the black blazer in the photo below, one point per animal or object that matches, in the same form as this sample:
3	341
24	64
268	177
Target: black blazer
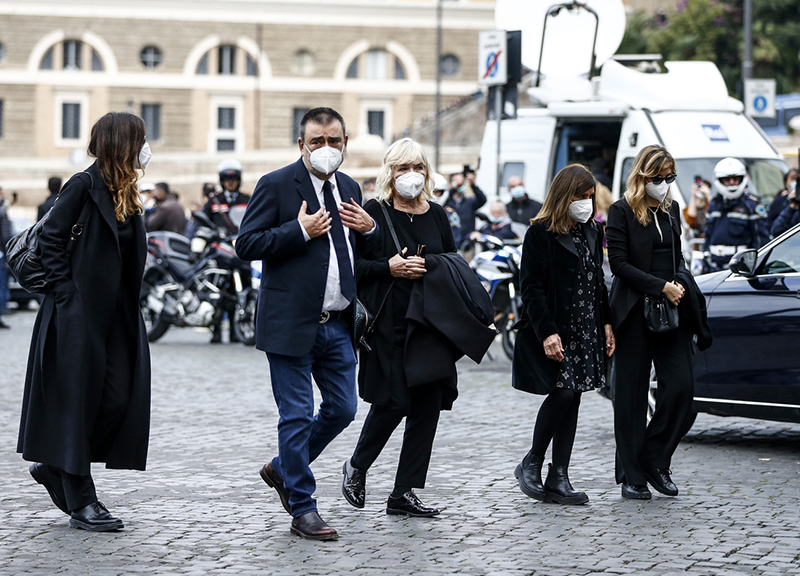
547	280
630	255
294	272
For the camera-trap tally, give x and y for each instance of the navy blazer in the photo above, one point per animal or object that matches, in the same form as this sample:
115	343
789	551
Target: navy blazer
294	272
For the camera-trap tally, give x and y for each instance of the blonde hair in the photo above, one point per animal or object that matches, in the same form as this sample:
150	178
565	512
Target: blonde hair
404	151
570	181
649	162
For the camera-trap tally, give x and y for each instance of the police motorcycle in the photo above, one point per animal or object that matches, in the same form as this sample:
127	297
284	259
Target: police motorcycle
189	283
497	267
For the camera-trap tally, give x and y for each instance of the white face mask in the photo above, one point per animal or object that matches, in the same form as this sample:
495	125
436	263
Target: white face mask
518	192
326	160
144	156
581	210
409	185
657	191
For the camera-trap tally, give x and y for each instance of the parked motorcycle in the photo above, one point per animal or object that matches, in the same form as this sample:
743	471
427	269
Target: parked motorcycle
193	283
497	267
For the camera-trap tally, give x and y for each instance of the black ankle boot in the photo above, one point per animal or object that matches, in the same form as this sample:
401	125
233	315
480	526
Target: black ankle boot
529	474
558	488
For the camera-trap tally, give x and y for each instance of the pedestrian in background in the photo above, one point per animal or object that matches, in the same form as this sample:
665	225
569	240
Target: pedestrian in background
54	185
565	331
644	251
168	213
465	198
393	377
522	207
87	388
305	317
783	198
499	224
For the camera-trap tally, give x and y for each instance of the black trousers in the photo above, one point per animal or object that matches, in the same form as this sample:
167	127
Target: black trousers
422	418
639	443
79	491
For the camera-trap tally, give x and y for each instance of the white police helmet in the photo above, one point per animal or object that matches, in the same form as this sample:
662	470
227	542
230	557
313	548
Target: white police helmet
726	168
439	182
229	169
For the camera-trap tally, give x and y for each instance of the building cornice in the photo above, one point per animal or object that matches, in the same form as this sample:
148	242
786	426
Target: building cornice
369	13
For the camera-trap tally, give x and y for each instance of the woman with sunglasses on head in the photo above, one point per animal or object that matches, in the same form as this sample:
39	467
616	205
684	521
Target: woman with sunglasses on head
87	390
644	252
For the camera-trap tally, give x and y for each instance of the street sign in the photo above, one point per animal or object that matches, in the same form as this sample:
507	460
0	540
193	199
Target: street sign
492	58
759	97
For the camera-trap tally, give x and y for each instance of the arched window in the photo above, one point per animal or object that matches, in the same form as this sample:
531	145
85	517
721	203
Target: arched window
73	56
376	64
227	60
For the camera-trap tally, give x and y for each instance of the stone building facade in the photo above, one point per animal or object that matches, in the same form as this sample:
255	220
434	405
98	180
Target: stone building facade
221	78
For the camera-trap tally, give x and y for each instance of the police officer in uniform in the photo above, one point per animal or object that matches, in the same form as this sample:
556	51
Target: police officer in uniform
736	218
225	210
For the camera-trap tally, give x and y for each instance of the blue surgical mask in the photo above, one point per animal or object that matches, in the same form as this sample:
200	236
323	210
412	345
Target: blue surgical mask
793	186
518	192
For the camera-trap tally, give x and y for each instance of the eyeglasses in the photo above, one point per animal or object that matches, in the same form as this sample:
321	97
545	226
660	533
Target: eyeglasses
658	179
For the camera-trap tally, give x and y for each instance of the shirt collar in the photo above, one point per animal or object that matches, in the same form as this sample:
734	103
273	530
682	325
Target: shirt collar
319	183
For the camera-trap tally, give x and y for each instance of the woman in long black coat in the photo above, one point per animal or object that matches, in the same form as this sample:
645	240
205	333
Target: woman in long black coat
87	389
404	186
564	333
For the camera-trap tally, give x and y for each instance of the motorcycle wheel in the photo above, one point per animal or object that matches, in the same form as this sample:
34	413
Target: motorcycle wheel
509	335
155	325
245	325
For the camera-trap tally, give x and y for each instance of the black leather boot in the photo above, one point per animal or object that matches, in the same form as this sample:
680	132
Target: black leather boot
529	475
558	488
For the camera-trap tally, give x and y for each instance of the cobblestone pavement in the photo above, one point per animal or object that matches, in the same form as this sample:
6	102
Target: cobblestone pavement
201	507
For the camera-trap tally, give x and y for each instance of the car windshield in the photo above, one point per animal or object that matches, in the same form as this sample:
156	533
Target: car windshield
766	176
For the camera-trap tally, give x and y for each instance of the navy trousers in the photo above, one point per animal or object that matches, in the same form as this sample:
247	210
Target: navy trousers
303	435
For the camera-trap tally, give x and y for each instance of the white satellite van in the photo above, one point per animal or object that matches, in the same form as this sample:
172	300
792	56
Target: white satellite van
604	122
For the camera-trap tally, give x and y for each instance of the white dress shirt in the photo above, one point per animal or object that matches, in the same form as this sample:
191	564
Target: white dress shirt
333	299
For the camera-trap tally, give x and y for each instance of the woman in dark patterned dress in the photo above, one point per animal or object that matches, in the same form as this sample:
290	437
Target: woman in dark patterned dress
564	332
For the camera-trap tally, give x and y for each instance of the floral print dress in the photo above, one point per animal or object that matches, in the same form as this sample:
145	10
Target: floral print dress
582	367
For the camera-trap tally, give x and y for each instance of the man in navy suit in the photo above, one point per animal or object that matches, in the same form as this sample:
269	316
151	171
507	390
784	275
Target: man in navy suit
305	305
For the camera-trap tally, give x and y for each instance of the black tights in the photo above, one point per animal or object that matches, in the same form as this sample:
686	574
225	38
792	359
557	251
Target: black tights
557	421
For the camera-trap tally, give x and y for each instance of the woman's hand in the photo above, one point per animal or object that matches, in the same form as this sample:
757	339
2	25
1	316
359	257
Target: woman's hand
553	348
611	342
411	268
674	292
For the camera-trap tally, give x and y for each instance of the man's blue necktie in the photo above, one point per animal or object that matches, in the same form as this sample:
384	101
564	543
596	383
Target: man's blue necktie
346	279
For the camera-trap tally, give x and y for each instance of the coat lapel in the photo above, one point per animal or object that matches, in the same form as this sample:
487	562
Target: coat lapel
567	242
102	197
305	188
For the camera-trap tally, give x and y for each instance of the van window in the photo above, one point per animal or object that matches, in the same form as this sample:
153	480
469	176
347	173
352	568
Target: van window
513	169
591	143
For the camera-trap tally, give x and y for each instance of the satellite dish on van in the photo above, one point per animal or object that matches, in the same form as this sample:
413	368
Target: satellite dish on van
569	36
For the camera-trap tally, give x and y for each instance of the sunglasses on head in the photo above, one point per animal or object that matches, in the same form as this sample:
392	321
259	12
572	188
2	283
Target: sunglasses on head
669	179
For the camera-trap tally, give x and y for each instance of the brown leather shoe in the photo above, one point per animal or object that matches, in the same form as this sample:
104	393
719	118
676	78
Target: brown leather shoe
312	527
273	480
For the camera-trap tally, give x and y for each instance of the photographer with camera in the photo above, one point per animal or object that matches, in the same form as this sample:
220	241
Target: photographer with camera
788	217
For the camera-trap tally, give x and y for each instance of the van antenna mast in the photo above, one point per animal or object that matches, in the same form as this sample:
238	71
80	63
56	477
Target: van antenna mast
553	11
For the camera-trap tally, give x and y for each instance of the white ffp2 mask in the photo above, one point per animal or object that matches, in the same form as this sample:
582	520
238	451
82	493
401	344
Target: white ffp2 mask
581	210
326	159
410	184
657	191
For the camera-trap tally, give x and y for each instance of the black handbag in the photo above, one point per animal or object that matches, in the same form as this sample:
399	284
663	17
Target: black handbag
659	313
365	320
23	256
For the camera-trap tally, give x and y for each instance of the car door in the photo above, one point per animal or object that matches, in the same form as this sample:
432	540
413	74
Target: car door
755	321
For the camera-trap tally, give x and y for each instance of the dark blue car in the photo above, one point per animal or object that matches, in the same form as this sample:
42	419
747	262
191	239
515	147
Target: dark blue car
753	368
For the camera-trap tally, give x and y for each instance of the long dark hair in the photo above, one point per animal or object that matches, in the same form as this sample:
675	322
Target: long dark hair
570	181
116	141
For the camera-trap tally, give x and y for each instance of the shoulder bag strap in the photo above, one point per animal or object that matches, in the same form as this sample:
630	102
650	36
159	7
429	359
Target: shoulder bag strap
391	226
77	228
